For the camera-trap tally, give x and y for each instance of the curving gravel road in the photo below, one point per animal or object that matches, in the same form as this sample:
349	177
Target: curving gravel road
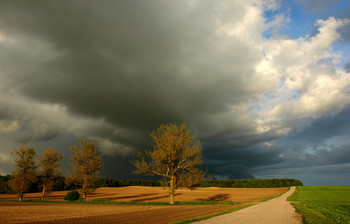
274	211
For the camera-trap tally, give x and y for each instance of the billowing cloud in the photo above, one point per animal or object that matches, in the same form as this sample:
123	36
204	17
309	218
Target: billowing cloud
114	71
311	86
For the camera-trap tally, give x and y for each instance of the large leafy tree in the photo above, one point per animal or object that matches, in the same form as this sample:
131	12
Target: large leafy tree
86	163
25	172
176	156
49	169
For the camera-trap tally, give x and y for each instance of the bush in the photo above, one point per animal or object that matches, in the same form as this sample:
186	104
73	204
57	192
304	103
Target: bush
73	195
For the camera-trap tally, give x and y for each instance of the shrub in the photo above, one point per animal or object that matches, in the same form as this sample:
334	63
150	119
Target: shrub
73	195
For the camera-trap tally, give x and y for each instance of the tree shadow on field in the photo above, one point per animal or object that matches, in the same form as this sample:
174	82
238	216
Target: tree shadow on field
217	197
54	197
129	196
153	198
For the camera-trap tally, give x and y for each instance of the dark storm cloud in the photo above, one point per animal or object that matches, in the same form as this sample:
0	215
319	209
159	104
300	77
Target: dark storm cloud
229	171
320	152
119	61
131	65
115	70
320	144
325	128
237	163
316	175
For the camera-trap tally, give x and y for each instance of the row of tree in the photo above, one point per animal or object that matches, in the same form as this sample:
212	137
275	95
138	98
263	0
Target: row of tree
175	157
61	183
26	169
86	164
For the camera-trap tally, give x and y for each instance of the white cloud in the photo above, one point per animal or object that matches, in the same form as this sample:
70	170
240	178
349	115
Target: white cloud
310	84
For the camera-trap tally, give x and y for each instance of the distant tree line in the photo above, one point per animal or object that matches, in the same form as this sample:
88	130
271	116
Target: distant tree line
61	185
247	183
253	183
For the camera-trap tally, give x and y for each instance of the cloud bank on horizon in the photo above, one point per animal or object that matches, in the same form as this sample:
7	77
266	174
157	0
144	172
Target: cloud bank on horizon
264	83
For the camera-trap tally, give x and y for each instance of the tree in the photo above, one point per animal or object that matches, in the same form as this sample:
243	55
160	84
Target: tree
176	156
49	172
25	173
86	165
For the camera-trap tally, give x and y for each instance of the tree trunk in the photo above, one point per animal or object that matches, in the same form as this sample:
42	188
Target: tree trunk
20	196
172	189
83	191
43	193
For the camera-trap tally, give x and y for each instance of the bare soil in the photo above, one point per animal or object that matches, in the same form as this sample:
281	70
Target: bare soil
160	194
13	212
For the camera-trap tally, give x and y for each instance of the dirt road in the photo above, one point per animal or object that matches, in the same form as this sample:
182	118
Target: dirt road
277	210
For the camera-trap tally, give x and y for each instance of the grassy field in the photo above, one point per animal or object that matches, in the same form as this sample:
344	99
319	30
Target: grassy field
323	204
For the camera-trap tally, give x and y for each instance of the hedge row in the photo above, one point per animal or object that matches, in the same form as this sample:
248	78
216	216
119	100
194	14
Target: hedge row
253	183
248	183
109	182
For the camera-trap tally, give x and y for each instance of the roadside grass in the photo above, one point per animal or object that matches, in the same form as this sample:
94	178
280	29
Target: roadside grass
322	204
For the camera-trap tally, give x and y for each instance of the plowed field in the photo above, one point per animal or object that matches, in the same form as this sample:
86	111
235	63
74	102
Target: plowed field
12	212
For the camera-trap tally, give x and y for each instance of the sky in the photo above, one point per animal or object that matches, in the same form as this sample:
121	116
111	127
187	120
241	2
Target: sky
264	83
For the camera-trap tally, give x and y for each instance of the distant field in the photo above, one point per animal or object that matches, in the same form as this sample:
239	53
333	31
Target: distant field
29	212
323	204
160	194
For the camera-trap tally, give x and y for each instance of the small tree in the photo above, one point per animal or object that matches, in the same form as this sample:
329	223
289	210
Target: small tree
25	172
176	156
86	165
49	172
